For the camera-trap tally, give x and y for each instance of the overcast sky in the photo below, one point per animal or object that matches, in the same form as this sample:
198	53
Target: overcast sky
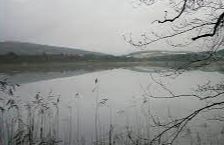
95	25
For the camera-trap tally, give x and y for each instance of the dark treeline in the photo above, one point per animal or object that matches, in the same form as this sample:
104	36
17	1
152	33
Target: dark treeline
14	58
191	56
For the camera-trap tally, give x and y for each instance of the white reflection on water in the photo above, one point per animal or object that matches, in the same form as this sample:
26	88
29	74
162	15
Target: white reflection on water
121	92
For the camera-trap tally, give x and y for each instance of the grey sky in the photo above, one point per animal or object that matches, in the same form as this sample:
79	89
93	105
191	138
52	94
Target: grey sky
95	25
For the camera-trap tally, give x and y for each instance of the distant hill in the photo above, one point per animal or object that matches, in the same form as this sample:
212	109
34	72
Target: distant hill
173	55
22	48
220	53
29	53
150	54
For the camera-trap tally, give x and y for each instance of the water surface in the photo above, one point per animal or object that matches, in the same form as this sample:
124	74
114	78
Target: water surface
121	98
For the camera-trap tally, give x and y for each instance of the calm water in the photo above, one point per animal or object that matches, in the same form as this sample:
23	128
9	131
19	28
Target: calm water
121	99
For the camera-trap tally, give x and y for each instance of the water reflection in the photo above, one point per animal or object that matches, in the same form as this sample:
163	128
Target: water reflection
94	106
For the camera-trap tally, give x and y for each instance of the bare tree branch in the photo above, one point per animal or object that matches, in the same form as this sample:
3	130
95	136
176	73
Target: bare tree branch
180	13
219	22
181	123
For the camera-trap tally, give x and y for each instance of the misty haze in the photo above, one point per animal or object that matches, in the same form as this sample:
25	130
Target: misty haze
111	72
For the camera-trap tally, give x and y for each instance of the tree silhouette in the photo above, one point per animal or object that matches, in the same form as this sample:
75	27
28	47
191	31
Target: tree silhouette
192	20
198	22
